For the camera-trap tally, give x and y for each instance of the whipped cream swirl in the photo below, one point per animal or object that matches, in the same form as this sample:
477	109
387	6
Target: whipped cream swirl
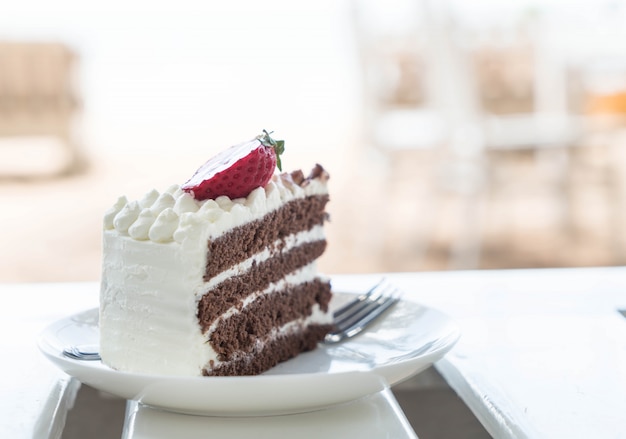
175	216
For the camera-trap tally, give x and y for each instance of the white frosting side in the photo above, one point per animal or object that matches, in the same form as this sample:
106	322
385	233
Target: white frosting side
145	289
154	259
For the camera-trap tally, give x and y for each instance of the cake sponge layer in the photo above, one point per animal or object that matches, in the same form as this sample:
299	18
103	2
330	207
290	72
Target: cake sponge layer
237	245
269	355
239	332
233	290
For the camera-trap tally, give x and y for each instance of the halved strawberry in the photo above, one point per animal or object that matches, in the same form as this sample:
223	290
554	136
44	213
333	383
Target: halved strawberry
238	170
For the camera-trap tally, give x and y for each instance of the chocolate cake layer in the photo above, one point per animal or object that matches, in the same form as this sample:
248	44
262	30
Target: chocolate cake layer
276	351
244	241
232	291
239	332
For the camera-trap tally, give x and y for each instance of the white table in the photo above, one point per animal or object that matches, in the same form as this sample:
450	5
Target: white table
543	352
374	417
34	395
543	355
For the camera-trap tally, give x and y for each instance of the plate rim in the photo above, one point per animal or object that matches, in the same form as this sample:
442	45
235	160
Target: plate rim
377	373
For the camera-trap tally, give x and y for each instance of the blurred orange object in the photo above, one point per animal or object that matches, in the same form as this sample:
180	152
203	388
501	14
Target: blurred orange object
607	104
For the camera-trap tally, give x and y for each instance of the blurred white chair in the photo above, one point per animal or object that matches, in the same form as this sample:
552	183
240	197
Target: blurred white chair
458	115
405	51
39	97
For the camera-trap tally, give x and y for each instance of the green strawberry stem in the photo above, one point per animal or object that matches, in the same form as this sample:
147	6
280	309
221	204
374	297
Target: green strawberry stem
278	145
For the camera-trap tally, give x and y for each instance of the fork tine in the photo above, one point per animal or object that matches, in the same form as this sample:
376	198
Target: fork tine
352	318
362	323
361	309
88	353
360	300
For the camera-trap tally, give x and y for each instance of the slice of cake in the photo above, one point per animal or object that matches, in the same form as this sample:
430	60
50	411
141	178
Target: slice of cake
196	282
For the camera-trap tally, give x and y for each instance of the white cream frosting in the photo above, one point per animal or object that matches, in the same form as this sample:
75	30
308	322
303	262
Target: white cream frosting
132	218
154	259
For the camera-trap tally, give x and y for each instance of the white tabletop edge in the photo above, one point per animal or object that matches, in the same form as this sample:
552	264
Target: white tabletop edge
51	423
498	422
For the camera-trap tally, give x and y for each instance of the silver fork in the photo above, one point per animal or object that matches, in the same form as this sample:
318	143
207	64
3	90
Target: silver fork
82	352
349	320
353	317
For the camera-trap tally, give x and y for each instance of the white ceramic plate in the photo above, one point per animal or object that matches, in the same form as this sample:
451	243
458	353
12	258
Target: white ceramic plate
405	341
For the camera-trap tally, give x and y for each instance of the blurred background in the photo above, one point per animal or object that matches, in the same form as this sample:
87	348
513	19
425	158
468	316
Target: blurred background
458	135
